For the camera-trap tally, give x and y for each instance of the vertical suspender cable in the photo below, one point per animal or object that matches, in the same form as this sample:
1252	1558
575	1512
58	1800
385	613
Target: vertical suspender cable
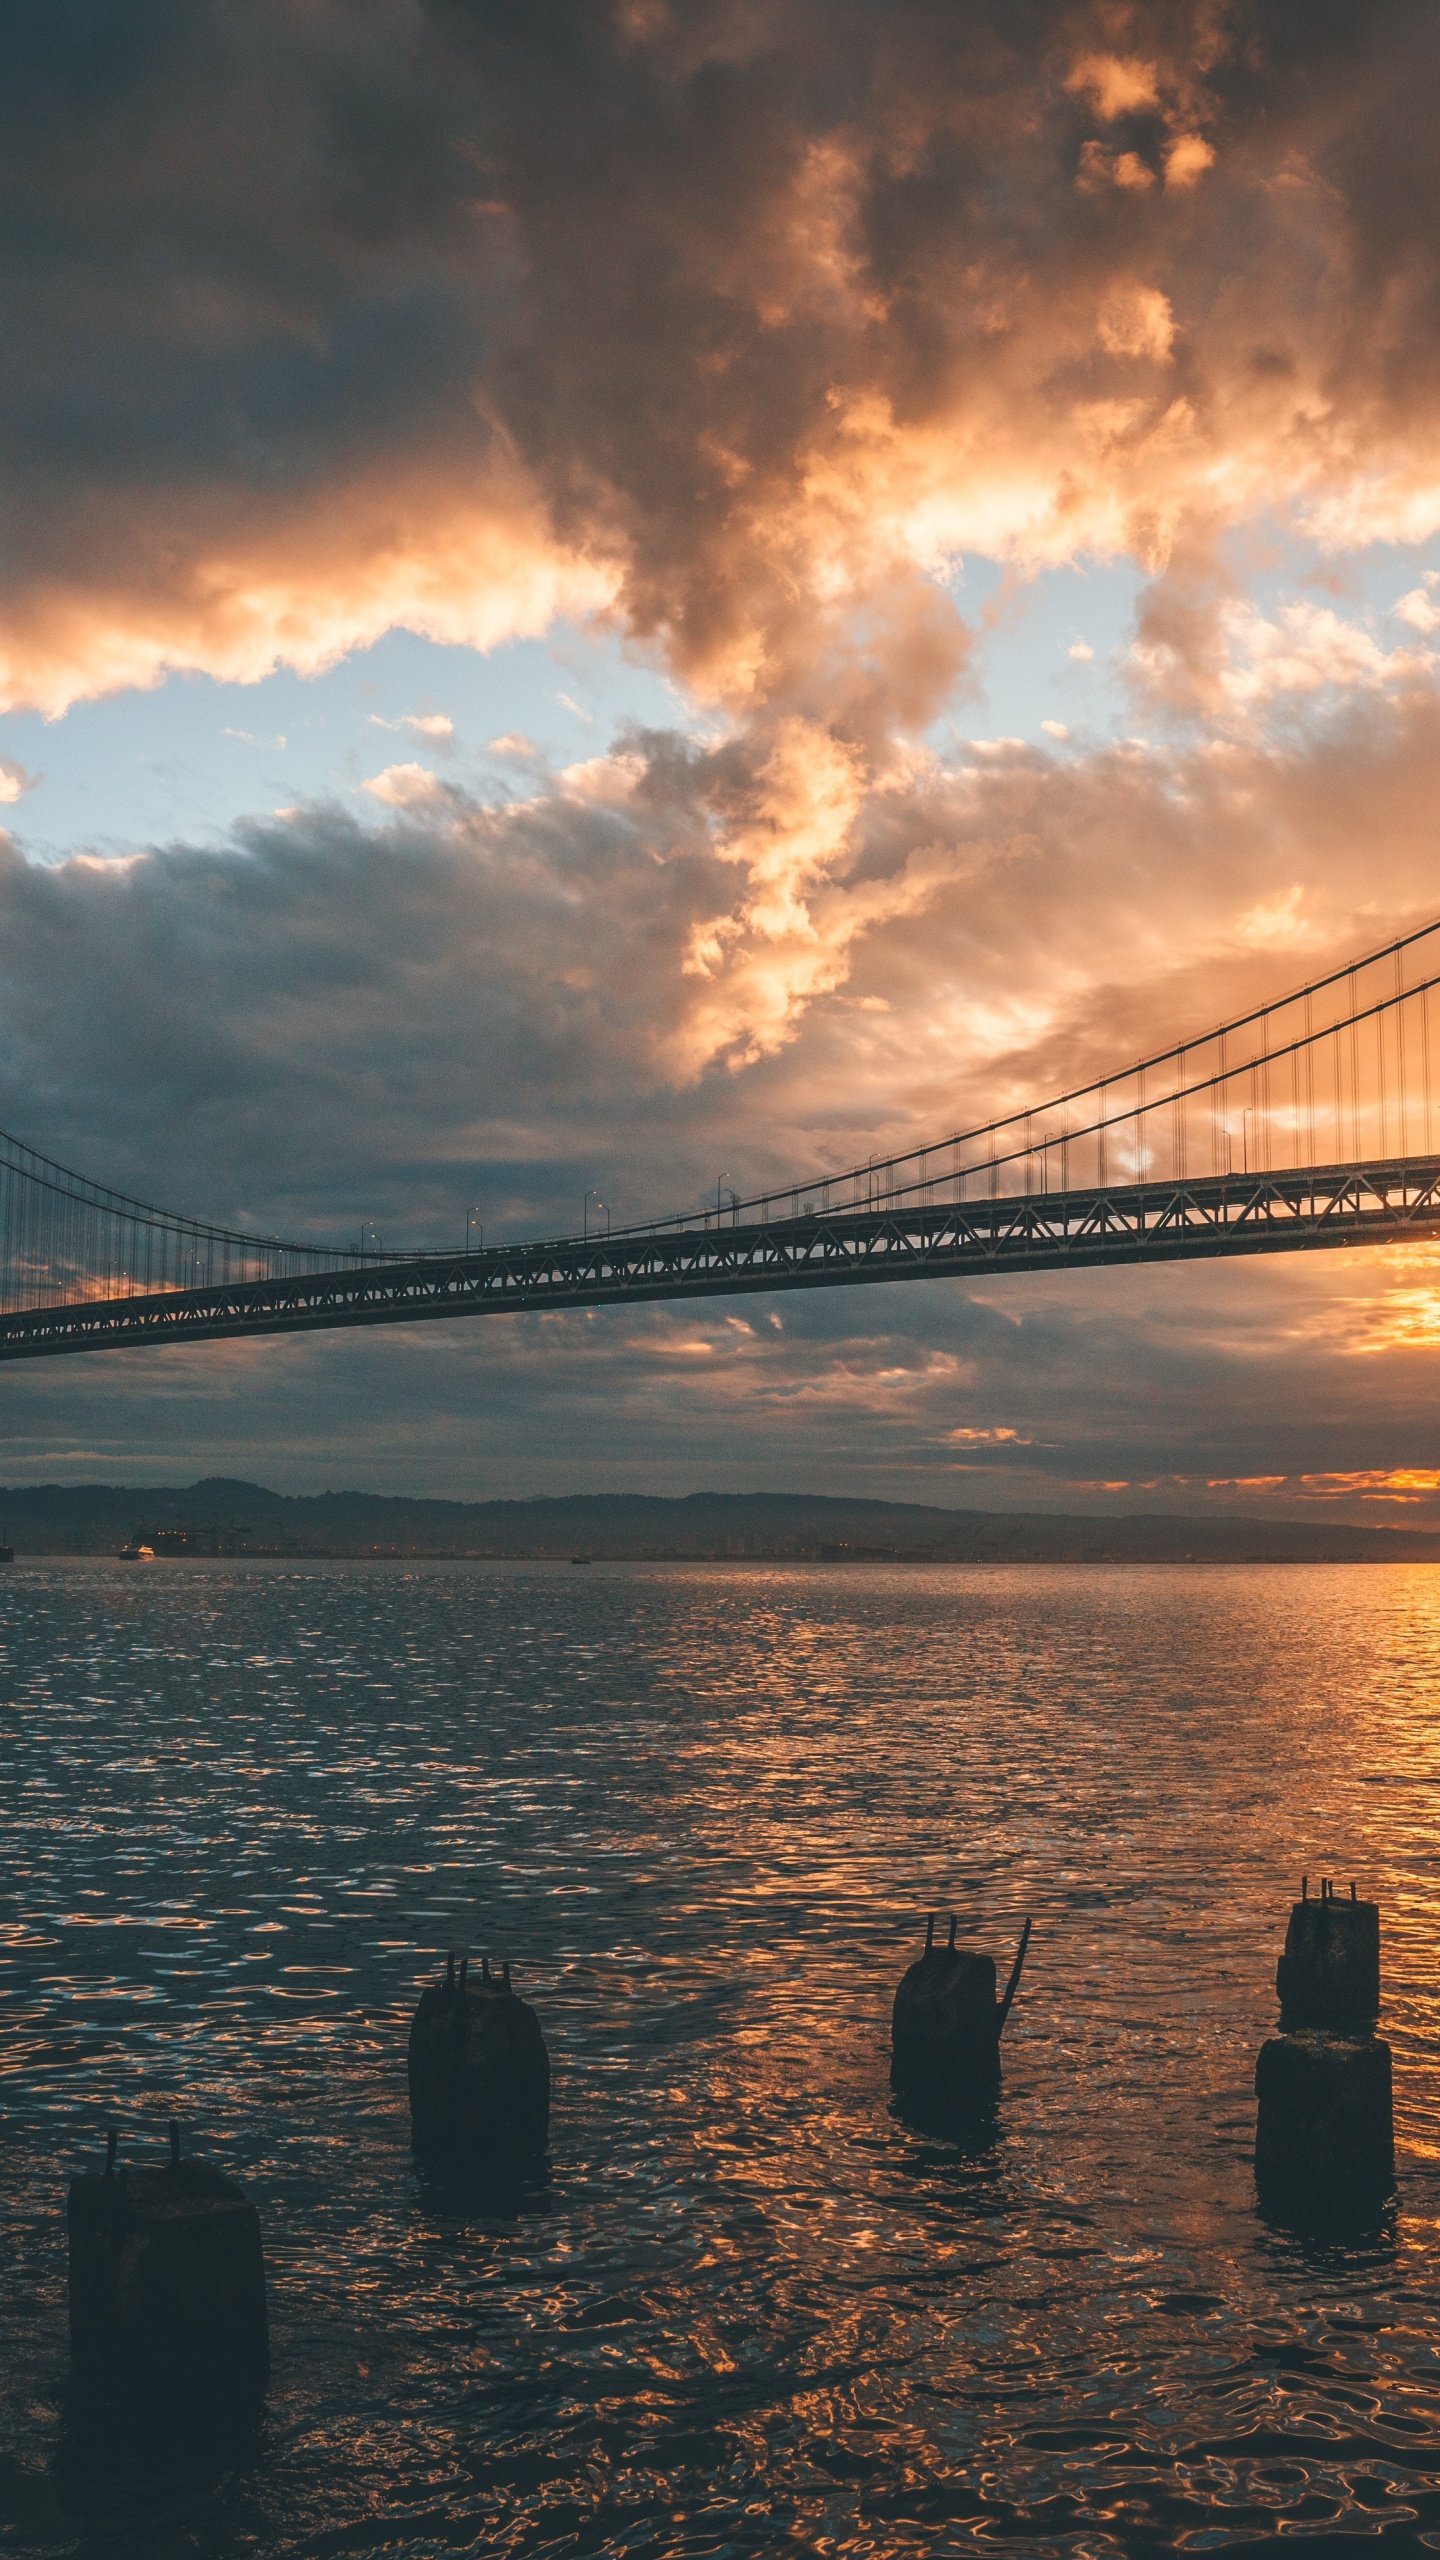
1400	1042
1425	1056
1382	1096
1309	1080
1354	1076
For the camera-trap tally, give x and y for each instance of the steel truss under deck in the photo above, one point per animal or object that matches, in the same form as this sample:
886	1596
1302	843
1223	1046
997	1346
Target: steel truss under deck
1332	1205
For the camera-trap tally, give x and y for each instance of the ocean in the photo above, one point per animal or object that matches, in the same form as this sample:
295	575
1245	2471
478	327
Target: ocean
703	1811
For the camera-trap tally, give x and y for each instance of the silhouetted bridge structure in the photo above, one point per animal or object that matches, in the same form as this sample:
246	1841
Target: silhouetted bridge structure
1289	1128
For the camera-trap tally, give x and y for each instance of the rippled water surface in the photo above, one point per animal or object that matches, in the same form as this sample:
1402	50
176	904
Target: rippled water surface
703	1812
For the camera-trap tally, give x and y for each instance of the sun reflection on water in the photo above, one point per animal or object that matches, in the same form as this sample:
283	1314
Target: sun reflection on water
704	1812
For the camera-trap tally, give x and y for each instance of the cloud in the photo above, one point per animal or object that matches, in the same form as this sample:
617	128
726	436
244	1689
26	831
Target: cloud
251	585
780	946
14	781
434	726
1419	608
1342	1485
1115	84
689	956
1221	657
1136	320
611	779
1307	648
1188	158
647	322
1275	923
404	786
1102	168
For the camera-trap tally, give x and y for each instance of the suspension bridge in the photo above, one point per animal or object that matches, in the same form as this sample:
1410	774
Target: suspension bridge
1303	1124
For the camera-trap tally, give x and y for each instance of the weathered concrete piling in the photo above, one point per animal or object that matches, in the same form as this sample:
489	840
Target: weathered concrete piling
1324	2130
1324	2121
1329	1975
479	2073
945	2030
167	2292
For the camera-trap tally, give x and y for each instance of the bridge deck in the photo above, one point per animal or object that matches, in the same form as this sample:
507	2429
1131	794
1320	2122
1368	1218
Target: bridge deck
1333	1205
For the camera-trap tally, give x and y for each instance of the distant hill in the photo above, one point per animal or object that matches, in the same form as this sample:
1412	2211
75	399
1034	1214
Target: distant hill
224	1515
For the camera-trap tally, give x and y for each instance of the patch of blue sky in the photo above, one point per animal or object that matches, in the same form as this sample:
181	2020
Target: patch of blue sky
188	759
1052	661
1050	656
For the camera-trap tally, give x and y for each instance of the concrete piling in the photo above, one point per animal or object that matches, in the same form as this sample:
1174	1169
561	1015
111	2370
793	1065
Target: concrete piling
1324	2122
1324	2133
167	2292
946	2025
479	2073
1329	1974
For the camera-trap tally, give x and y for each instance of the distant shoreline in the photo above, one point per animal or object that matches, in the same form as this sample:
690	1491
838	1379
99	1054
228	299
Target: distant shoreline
916	1558
229	1518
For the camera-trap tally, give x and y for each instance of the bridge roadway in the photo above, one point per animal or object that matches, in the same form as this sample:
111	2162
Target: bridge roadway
1203	1219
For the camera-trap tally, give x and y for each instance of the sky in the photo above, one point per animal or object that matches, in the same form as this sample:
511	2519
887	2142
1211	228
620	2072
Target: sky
615	595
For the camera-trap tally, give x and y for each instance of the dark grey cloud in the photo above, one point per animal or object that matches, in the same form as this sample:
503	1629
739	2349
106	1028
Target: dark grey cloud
734	311
1182	1389
324	1018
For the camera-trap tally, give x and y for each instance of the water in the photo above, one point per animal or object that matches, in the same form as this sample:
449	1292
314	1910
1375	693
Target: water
704	1812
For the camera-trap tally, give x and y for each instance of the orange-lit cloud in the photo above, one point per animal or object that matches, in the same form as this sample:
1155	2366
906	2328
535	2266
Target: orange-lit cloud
1341	1485
241	587
773	951
1403	1319
404	786
1115	84
739	362
744	392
